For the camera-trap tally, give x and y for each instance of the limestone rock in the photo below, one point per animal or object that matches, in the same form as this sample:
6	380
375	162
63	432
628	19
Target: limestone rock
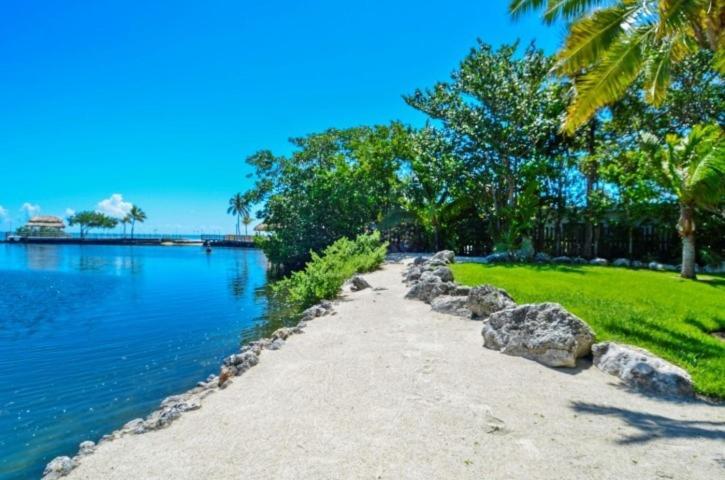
461	291
445	256
319	310
413	274
444	273
544	332
58	467
419	260
501	257
451	305
430	287
358	283
642	370
562	260
662	267
602	262
542	257
86	448
621	262
484	300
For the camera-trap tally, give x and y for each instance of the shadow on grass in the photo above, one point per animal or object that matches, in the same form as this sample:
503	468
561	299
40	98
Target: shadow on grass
653	333
540	267
653	427
697	323
718	282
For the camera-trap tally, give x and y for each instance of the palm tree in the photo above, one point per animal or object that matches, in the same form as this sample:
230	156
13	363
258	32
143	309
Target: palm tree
246	220
609	47
238	207
136	215
693	169
124	221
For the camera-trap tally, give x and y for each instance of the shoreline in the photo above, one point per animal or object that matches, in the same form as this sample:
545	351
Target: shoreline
172	407
368	391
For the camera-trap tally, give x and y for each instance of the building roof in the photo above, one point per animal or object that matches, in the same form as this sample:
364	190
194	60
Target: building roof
46	221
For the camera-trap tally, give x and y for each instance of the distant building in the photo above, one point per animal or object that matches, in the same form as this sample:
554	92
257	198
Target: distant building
44	224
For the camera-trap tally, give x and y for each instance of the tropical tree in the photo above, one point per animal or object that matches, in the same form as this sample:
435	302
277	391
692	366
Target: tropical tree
88	219
692	167
137	215
125	221
338	183
432	180
503	112
238	206
612	43
246	220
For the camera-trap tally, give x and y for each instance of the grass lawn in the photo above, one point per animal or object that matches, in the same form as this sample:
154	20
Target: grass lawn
655	310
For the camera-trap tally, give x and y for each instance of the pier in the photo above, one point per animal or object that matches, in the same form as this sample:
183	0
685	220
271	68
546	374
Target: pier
240	241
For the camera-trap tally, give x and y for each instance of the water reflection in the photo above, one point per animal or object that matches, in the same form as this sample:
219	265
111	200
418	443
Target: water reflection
156	319
41	257
239	280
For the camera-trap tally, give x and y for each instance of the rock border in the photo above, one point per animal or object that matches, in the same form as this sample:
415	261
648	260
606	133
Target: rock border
172	407
431	281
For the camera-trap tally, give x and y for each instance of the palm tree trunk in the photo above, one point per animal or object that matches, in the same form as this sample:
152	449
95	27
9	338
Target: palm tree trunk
133	224
686	226
238	217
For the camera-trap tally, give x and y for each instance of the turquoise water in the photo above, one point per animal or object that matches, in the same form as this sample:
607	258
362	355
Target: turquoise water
94	336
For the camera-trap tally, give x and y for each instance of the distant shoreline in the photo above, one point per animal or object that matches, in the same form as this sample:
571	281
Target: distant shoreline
158	241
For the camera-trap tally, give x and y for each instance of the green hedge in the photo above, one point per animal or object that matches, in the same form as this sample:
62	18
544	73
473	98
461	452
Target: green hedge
324	275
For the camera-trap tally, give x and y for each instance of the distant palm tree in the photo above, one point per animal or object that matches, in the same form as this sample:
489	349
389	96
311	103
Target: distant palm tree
693	169
611	43
125	221
246	220
136	215
238	207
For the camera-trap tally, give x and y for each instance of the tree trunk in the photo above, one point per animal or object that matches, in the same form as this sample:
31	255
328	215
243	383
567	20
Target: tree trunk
591	178
133	225
238	225
630	242
686	227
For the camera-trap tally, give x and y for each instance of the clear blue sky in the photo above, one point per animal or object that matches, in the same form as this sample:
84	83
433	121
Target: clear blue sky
161	101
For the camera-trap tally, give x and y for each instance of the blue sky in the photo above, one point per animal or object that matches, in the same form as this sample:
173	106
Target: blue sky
160	102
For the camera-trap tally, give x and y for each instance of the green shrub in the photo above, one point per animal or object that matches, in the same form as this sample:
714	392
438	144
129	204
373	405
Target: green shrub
324	274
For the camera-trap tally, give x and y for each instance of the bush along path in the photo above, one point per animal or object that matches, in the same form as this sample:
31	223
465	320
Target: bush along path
544	332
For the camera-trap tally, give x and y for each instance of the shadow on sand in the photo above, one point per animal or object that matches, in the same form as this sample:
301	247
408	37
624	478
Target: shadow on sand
653	427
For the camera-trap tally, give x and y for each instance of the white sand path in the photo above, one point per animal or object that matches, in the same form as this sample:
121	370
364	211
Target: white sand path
388	389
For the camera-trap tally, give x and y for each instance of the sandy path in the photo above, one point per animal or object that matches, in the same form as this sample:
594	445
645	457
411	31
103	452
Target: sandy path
388	389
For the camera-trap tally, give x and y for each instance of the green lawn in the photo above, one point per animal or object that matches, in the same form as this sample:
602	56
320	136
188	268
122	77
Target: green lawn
655	310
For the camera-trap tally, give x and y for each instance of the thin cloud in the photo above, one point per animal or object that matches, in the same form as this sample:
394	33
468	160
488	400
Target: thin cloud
69	212
29	209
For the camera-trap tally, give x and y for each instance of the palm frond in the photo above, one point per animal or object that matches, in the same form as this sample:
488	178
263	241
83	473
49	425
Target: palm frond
518	8
568	9
675	15
707	176
657	73
591	36
609	79
718	61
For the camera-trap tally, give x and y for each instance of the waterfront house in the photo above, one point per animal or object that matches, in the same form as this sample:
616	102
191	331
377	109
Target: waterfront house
44	225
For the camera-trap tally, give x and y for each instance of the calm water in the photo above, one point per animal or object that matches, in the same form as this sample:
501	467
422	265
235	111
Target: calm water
94	336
